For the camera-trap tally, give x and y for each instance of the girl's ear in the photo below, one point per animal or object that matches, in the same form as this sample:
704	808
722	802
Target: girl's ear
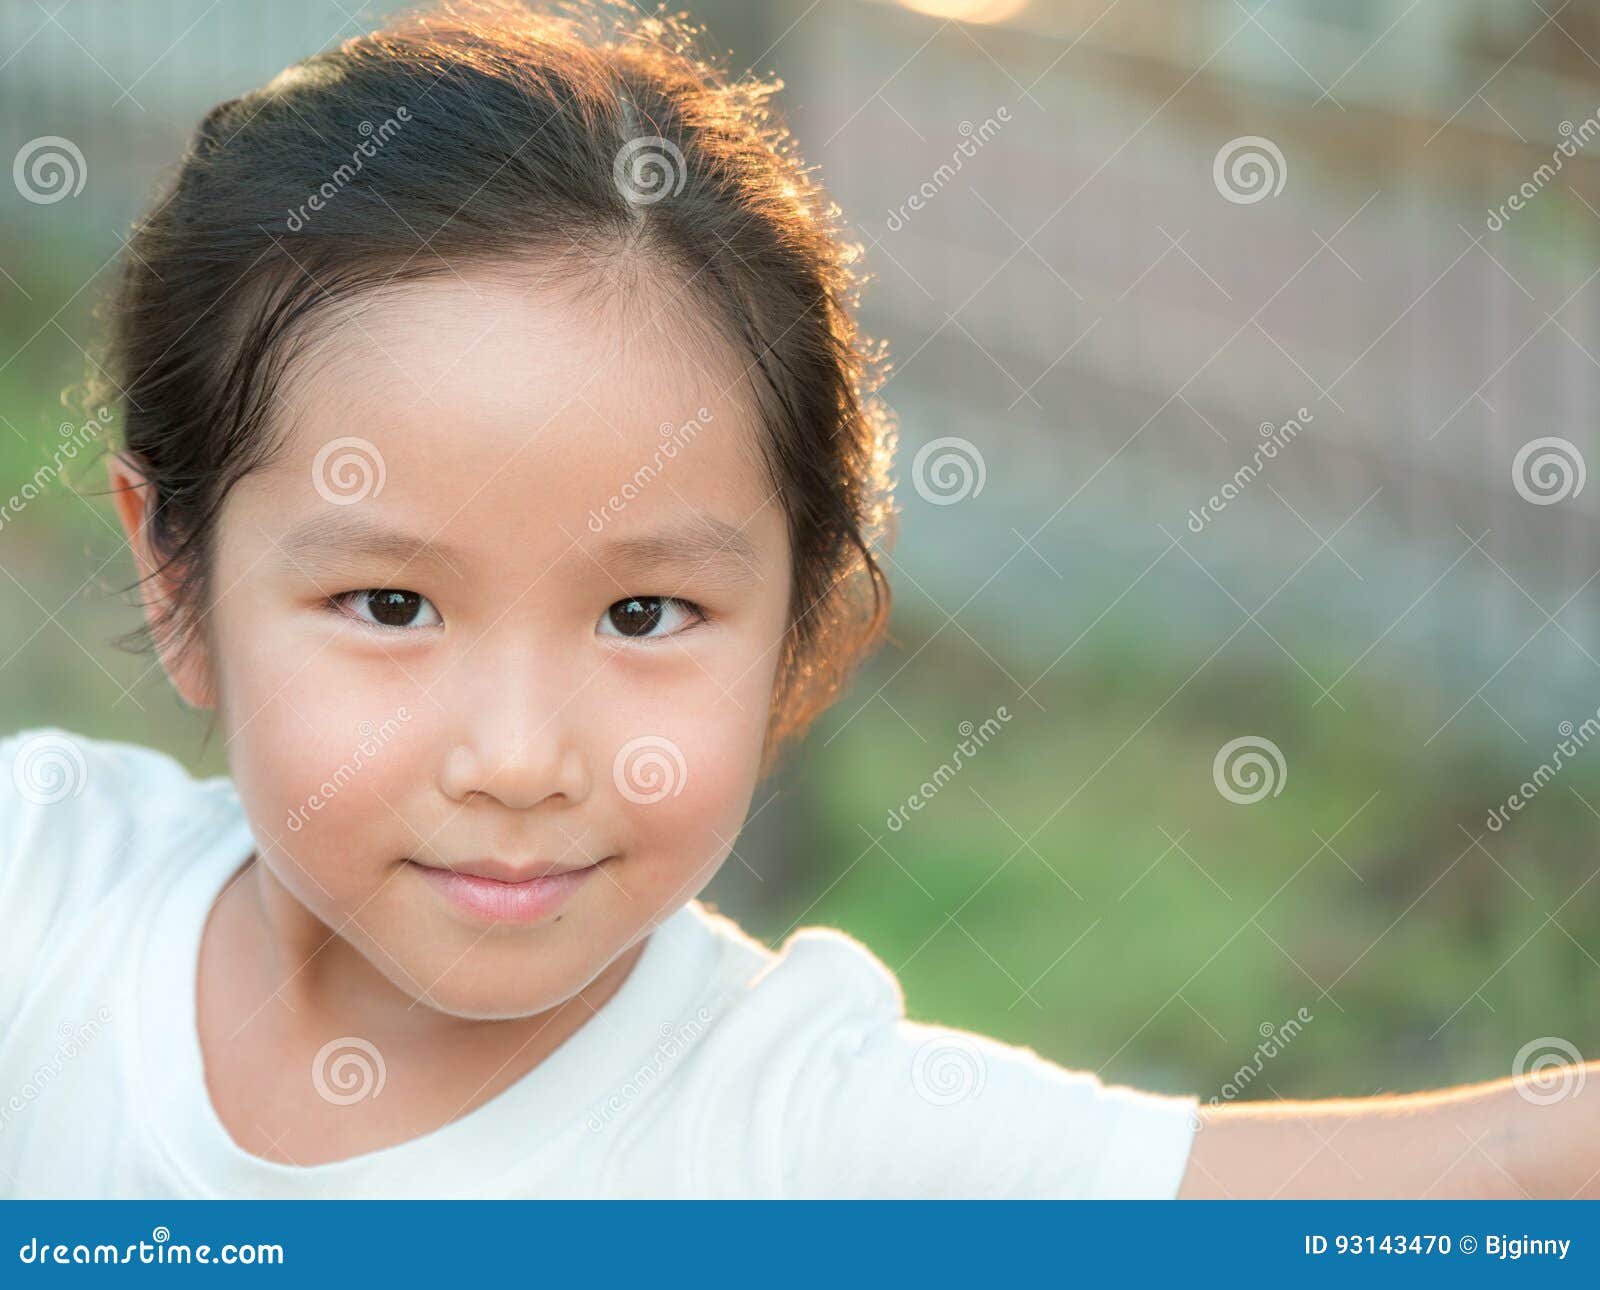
189	669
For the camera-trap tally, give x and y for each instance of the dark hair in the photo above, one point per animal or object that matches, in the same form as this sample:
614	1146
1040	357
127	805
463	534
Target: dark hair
506	134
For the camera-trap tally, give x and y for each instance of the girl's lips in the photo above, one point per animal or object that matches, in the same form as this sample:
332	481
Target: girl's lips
491	901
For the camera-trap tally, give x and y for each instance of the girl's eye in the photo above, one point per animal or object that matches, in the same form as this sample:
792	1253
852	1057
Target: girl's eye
389	607
637	617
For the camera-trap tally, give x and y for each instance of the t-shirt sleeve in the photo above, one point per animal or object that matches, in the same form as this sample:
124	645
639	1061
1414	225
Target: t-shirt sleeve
882	1106
76	814
19	805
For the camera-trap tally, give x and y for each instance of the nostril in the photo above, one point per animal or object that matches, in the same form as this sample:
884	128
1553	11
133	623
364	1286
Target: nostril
519	776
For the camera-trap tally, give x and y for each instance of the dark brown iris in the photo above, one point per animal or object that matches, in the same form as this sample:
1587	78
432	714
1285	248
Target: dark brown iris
636	616
394	608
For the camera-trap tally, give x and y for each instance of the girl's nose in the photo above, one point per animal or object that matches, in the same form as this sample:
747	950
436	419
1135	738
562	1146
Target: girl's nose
517	766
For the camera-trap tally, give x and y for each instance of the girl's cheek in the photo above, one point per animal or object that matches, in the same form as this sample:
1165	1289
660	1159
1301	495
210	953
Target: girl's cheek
680	735
720	736
314	760
321	792
685	792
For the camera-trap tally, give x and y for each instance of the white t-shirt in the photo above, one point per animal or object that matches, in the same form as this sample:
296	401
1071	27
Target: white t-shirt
720	1068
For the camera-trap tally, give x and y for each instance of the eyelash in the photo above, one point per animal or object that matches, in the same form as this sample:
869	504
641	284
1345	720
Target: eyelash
338	604
697	616
696	612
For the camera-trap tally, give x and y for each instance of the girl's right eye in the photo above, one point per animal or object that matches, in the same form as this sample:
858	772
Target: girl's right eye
388	607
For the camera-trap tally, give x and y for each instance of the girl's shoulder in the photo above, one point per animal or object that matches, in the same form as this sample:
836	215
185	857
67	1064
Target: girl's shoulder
80	814
44	767
810	963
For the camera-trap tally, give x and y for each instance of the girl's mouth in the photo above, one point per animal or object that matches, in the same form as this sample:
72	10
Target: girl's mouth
495	900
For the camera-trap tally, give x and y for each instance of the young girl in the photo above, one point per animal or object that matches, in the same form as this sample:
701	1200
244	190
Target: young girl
504	472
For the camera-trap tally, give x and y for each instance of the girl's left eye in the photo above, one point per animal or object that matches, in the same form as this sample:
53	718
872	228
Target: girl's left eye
637	617
389	607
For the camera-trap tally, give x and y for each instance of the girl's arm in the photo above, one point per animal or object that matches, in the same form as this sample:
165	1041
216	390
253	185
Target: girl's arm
1497	1140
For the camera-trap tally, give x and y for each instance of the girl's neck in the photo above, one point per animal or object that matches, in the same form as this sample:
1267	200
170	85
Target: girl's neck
276	985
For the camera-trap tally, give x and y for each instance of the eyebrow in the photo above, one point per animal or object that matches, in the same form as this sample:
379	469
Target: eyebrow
338	537
702	547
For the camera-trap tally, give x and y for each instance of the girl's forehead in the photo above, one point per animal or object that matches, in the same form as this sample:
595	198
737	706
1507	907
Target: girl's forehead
493	343
453	404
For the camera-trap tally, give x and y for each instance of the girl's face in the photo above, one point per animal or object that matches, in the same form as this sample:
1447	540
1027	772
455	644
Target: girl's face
513	595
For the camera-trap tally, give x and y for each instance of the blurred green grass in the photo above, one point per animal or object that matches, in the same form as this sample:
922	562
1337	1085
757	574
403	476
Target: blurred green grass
1421	957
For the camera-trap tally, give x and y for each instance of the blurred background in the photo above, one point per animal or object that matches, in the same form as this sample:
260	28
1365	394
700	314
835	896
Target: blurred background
1337	258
